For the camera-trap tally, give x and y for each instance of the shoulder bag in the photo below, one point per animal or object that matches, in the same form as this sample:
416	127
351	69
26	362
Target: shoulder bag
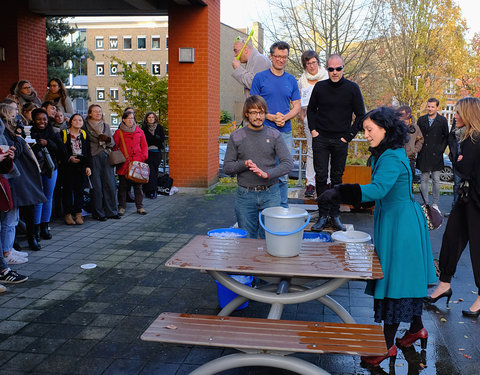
137	171
433	216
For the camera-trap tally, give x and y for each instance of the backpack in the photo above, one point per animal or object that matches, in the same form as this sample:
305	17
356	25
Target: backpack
65	132
165	183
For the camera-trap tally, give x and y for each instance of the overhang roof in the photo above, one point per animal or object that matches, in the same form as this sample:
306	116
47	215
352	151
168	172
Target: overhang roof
106	7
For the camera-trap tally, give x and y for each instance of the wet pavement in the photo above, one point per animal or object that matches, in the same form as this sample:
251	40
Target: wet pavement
69	320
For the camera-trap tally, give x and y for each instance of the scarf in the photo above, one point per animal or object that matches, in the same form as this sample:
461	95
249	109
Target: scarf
50	96
152	127
96	126
10	125
123	127
305	77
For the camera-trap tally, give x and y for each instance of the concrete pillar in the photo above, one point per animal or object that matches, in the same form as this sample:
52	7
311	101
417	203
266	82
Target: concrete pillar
194	94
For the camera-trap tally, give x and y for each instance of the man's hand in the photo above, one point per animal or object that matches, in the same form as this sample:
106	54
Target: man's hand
259	172
88	171
279	119
314	133
235	63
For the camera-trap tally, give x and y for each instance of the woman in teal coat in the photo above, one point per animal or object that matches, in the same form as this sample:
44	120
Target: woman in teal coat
401	234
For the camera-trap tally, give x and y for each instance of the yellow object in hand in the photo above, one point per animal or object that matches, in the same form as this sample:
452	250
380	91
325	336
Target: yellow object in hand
246	42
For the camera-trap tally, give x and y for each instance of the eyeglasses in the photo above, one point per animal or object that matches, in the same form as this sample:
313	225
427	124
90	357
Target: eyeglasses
338	69
280	57
256	113
315	62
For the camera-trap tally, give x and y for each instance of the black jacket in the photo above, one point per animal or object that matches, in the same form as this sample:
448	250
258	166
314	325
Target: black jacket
430	158
86	158
156	139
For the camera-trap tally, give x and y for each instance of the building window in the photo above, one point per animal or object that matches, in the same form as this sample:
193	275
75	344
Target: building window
155	68
127	42
166	42
114	120
113	43
141	42
166	68
143	64
100	94
99	43
114	94
100	69
113	69
155	42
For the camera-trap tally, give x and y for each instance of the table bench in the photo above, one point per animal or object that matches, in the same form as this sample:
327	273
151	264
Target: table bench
265	342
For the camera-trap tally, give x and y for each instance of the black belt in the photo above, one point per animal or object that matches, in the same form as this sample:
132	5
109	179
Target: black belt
257	188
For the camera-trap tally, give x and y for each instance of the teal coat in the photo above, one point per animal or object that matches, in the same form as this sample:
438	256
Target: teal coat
401	235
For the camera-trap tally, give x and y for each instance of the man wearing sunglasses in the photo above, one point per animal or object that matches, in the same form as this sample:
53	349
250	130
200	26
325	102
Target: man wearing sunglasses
254	62
332	105
280	91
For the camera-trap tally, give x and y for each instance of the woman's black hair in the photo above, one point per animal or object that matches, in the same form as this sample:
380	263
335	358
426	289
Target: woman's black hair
71	118
396	132
37	111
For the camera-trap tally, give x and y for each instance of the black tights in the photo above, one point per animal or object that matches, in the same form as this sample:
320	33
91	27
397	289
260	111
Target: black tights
389	330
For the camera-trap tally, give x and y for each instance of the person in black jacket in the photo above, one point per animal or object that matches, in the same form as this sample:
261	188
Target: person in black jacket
155	137
332	104
434	128
78	164
462	225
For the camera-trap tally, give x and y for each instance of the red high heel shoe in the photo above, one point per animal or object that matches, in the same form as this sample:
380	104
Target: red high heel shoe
374	361
409	338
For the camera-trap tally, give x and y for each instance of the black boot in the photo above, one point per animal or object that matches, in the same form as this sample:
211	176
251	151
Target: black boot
33	243
44	232
16	245
36	232
321	224
337	224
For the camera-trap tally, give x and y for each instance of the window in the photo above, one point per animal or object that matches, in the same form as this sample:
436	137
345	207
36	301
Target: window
155	68
141	42
166	68
166	42
100	69
127	42
114	94
113	69
155	42
114	120
143	64
100	94
113	43
99	43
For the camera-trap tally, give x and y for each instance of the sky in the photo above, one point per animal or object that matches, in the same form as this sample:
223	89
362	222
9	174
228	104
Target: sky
242	16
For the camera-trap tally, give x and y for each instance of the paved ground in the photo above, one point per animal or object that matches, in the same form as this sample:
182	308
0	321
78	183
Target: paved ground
67	320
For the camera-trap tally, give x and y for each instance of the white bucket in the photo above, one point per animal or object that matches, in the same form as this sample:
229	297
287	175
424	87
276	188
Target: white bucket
351	236
284	230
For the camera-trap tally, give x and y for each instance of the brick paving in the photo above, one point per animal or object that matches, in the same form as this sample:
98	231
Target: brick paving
68	320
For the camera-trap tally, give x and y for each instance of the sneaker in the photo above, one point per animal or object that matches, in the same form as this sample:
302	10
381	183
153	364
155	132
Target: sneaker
19	253
13	259
2	288
121	211
11	277
141	211
436	207
309	191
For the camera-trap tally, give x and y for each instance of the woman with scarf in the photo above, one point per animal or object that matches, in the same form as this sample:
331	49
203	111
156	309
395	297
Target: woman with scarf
26	184
57	93
155	137
312	74
104	202
47	140
130	139
8	216
26	94
407	264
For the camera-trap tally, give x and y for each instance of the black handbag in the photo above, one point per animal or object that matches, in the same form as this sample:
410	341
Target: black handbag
45	161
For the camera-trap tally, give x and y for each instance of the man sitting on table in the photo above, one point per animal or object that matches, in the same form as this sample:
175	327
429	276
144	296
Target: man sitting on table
251	153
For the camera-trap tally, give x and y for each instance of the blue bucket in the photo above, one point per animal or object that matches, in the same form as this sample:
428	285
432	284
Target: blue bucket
317	237
225	295
227	233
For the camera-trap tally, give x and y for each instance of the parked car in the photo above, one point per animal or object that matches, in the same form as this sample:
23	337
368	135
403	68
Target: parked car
446	174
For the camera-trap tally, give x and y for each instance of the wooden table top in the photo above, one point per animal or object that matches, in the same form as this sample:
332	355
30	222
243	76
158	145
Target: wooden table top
249	256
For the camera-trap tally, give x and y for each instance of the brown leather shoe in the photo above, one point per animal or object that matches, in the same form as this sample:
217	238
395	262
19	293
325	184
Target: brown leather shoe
69	220
78	218
141	211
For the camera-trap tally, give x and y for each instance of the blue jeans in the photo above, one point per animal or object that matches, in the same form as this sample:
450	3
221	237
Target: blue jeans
43	211
249	203
435	185
283	180
8	222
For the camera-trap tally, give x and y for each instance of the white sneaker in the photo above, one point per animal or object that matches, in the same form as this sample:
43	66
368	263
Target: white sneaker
436	207
2	288
12	259
22	254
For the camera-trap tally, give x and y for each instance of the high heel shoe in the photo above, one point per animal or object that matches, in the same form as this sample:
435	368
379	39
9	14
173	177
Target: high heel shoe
409	338
374	361
447	294
471	314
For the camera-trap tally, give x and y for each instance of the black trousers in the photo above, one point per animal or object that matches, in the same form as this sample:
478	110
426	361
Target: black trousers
153	161
325	150
73	185
462	228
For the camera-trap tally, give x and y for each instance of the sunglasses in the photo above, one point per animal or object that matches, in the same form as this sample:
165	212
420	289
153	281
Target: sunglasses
338	69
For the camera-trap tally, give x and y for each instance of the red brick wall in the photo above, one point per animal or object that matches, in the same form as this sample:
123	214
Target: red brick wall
23	36
194	94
